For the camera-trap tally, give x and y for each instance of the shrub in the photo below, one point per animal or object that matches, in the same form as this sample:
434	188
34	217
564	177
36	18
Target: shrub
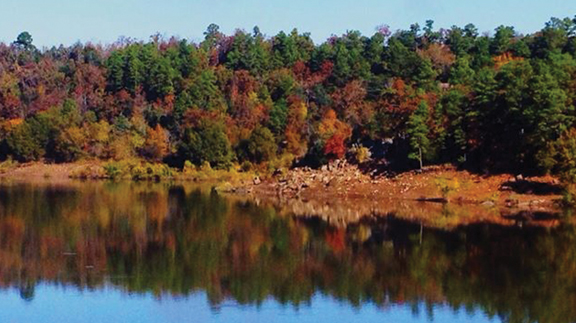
147	171
447	186
282	162
361	153
137	170
7	165
188	168
112	170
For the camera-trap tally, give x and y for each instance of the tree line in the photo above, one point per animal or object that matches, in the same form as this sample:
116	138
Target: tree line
490	102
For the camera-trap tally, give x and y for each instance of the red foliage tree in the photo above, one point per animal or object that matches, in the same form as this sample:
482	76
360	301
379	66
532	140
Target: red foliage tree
89	87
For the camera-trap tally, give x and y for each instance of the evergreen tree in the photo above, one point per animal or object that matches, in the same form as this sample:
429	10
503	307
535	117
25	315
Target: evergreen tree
418	132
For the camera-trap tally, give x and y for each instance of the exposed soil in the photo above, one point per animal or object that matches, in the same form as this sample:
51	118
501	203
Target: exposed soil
38	170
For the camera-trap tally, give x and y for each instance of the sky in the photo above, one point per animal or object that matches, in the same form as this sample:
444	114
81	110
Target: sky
56	22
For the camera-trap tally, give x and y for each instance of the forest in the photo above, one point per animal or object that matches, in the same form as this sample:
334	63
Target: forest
491	102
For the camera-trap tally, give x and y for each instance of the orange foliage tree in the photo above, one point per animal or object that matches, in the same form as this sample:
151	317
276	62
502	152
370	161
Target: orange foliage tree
296	141
351	105
157	143
334	133
396	107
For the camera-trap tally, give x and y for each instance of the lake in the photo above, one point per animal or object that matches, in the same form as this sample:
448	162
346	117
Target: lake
158	252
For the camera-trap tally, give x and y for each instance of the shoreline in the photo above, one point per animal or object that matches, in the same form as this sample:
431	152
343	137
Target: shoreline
342	193
435	184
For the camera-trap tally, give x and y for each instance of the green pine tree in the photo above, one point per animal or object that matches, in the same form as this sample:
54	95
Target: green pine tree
418	133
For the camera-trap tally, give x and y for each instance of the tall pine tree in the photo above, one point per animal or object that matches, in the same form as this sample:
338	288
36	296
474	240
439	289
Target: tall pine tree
418	133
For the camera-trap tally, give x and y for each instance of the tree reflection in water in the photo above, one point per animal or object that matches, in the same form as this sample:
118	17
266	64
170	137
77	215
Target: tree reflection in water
175	240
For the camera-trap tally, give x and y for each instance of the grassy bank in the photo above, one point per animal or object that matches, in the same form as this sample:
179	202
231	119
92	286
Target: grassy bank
132	169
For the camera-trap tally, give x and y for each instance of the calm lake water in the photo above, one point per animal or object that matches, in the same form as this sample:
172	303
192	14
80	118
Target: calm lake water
144	252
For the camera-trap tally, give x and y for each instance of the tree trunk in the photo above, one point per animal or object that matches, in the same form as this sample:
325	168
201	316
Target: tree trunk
420	158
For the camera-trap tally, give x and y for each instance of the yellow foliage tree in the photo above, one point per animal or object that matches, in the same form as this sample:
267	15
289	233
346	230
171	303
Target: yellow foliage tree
504	59
295	141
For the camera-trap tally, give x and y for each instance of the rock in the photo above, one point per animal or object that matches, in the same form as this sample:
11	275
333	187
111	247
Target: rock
241	190
257	180
488	203
511	203
327	180
225	187
519	177
336	163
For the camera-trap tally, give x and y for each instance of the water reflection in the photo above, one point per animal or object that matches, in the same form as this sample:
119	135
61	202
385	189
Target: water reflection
175	242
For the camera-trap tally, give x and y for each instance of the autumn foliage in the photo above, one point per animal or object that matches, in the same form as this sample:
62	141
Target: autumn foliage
335	133
493	102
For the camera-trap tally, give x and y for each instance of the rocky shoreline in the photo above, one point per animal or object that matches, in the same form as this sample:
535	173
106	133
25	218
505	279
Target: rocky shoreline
339	181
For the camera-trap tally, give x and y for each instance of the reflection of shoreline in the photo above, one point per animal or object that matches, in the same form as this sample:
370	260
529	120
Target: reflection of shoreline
341	212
